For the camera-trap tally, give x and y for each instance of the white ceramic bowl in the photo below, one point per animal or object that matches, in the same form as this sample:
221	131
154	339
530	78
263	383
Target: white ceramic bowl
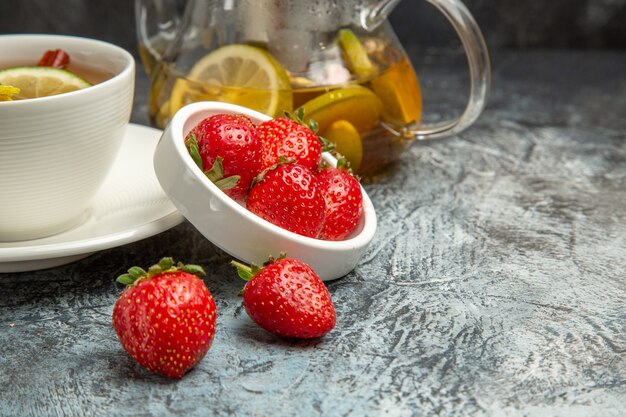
231	226
56	151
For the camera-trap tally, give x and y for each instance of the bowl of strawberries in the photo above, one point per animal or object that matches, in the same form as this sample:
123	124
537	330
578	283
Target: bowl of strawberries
256	187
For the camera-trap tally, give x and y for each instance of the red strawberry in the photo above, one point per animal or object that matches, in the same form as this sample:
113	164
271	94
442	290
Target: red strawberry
343	203
285	137
287	196
288	298
56	58
228	148
165	318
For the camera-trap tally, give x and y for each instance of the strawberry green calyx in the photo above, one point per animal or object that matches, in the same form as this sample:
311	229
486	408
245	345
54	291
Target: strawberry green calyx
298	117
246	272
327	145
165	265
216	173
342	163
134	274
192	147
281	161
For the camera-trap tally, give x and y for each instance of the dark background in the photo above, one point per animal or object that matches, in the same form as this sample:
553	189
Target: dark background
569	24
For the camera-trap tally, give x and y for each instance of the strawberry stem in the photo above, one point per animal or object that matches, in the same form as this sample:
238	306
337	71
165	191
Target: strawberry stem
244	271
282	159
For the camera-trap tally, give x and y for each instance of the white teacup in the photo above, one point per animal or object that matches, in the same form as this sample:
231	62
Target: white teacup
56	151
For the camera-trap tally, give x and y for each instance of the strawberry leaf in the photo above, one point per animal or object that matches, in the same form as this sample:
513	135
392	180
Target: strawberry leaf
133	275
216	172
192	147
300	115
154	270
327	145
313	126
166	263
126	279
271	259
216	175
136	272
342	162
194	269
228	182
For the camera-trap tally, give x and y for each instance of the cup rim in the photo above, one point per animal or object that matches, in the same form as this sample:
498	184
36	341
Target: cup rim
128	69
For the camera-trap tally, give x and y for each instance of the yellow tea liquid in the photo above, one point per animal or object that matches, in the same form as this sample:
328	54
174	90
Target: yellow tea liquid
91	74
393	90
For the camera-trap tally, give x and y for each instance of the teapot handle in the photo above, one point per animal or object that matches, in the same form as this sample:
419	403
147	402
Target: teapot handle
479	70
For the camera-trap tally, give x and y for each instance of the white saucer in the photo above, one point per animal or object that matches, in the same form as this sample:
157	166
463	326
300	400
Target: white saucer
130	206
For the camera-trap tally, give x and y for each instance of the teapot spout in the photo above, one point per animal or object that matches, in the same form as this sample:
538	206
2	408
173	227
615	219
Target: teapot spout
377	13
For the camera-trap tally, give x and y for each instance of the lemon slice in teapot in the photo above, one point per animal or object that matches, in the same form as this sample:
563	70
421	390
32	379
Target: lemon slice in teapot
238	74
347	142
399	90
355	54
34	82
355	104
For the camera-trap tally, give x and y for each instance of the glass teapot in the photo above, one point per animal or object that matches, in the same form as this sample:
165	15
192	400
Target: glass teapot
338	60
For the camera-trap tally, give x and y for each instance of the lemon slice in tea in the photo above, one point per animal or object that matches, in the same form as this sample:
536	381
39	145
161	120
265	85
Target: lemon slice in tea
7	92
36	82
355	104
347	142
238	74
355	54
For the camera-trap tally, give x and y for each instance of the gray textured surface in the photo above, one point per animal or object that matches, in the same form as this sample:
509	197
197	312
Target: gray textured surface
496	284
